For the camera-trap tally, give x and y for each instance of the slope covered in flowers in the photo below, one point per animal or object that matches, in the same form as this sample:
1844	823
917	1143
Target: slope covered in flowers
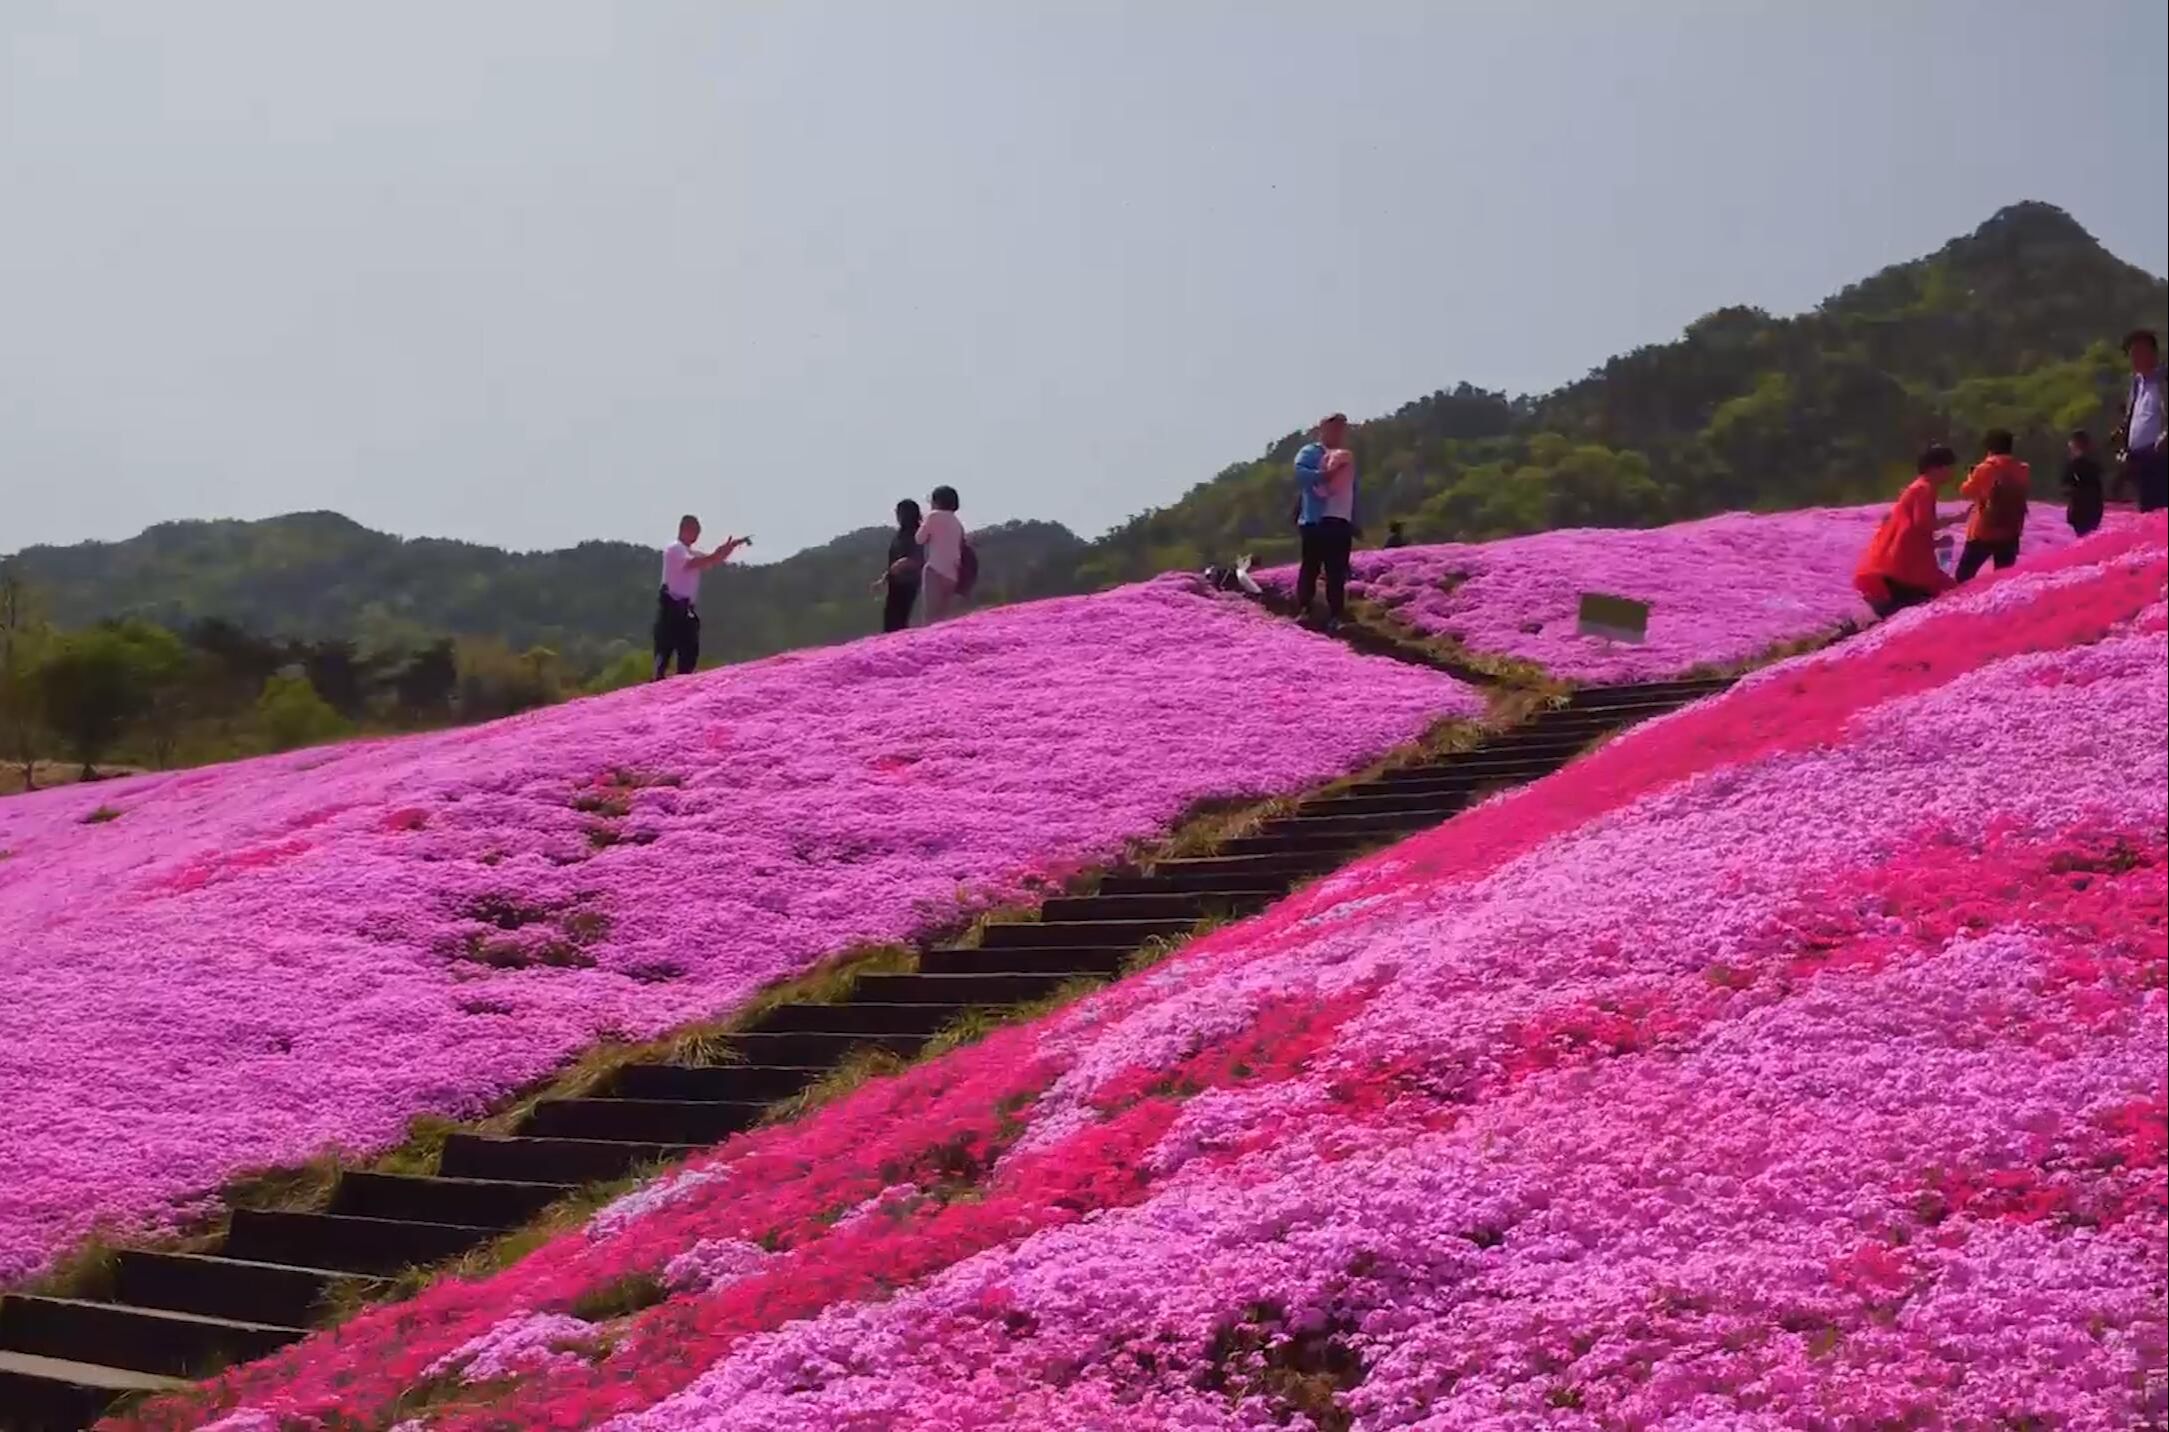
246	964
1722	591
1797	1060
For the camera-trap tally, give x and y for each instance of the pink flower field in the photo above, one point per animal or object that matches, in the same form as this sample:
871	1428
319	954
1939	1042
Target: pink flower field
242	966
1722	591
1794	1061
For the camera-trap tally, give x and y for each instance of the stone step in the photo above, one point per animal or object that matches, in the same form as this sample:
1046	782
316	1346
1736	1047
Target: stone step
477	1202
856	1018
640	1121
50	1394
1438	805
726	1083
1015	985
223	1287
1081	934
550	1160
353	1245
1163	881
1064	964
154	1340
1191	905
820	1050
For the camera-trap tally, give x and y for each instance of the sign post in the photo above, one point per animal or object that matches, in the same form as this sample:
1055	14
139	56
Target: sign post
1618	618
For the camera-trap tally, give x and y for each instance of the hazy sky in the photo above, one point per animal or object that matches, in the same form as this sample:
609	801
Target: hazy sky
534	271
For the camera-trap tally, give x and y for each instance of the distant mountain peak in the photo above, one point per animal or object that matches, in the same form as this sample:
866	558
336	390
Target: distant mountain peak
2033	221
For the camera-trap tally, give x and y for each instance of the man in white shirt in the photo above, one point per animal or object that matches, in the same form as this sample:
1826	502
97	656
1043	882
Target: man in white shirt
2145	434
677	609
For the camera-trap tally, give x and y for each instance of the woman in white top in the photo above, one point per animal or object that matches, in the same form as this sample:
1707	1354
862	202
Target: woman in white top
941	537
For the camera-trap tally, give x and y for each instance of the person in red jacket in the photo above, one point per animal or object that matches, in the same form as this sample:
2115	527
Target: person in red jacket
1998	489
1899	569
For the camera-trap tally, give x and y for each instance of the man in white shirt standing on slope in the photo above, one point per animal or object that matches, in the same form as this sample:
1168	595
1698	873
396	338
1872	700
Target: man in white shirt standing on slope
2143	438
677	610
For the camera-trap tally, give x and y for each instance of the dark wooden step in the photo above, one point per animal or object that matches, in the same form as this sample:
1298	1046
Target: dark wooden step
1081	934
479	1203
1362	828
1537	740
1015	986
1281	841
640	1121
155	1340
47	1394
822	1050
856	1018
1242	865
1438	805
550	1160
227	1287
1187	905
725	1083
355	1245
1613	698
1064	964
1165	882
1469	776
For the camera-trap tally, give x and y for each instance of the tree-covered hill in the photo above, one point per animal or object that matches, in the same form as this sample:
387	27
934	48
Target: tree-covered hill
2014	325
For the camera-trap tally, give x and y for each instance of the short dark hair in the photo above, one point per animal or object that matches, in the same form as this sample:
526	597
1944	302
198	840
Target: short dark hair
689	517
2082	437
908	514
2138	336
944	499
1936	455
1997	440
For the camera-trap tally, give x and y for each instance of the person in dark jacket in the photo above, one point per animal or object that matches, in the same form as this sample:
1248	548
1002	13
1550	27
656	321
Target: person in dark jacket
2082	483
901	579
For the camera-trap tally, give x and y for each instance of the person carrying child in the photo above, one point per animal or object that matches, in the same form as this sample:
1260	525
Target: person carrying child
1998	488
1324	512
1899	569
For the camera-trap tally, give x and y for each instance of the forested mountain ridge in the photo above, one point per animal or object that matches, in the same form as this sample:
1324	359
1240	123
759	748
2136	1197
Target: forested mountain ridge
316	575
2013	325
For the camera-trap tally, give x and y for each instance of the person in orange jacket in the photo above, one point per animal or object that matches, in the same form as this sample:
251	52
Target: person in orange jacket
1899	569
1998	489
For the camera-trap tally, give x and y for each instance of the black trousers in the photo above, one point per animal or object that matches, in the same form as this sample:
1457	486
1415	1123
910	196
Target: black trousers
2084	512
1326	547
677	633
896	610
1975	554
1901	597
2146	474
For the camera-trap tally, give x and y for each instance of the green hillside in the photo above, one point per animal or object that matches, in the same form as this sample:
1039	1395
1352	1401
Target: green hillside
2013	325
314	575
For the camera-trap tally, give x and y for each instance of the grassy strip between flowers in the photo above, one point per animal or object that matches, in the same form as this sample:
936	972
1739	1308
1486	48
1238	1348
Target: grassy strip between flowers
308	1187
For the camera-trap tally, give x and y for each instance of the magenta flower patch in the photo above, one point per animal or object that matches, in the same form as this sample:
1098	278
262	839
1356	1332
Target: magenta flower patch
260	961
1796	1060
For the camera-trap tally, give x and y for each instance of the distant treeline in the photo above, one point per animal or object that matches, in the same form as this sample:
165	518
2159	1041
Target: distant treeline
139	694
